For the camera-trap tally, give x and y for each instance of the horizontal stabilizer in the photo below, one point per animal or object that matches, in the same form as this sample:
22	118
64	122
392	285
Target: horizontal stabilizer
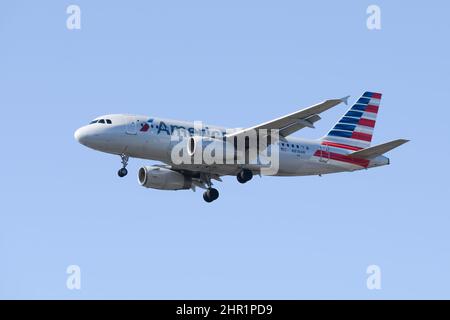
373	152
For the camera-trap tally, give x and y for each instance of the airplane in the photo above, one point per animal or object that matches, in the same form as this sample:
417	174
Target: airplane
345	148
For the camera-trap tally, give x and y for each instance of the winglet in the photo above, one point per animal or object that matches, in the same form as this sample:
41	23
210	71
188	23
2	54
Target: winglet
345	100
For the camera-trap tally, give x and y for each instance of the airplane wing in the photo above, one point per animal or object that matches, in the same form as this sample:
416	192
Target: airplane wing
199	174
293	122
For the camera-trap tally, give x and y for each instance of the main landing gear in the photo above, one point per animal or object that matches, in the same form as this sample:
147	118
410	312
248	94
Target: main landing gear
244	175
123	171
211	193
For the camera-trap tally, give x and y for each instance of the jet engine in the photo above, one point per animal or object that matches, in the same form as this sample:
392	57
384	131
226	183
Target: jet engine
162	178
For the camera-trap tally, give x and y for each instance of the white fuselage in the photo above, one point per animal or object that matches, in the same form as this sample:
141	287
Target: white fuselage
150	138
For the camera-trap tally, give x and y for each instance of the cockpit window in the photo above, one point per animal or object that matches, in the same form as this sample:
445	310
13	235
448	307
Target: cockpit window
108	121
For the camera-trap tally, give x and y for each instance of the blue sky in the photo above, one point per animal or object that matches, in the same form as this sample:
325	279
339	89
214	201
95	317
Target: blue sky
231	63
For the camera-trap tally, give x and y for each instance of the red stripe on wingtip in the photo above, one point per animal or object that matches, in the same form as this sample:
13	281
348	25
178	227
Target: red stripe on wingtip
371	108
362	136
376	95
367	122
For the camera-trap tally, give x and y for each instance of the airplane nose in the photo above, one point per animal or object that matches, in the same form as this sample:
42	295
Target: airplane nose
81	135
76	135
90	137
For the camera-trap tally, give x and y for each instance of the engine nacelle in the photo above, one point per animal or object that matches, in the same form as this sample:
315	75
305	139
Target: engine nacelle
162	178
204	147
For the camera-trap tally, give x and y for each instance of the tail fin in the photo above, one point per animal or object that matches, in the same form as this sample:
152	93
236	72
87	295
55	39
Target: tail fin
355	129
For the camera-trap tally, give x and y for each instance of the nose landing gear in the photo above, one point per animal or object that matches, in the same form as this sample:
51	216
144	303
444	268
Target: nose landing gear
123	171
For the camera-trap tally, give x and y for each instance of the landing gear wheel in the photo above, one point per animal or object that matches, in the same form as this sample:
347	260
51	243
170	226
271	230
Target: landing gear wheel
239	178
244	176
210	195
122	172
206	197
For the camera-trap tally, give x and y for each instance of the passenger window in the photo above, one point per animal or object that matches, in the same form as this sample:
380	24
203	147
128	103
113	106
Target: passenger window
108	121
101	121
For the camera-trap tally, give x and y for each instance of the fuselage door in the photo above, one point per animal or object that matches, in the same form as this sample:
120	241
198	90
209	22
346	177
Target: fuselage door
131	126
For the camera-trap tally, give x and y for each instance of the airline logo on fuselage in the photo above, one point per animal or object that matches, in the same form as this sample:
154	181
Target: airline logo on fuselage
170	129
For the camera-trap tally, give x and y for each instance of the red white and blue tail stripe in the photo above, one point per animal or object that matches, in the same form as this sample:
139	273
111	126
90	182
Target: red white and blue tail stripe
354	131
